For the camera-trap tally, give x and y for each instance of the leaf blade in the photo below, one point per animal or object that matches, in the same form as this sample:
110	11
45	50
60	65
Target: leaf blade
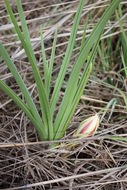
25	109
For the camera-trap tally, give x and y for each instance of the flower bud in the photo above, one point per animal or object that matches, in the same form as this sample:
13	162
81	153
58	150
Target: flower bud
88	127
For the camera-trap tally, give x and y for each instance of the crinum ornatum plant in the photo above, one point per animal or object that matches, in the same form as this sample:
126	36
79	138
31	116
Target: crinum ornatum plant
48	125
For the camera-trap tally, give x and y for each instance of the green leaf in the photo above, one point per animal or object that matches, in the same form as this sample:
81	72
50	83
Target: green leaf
45	63
117	138
123	95
24	107
52	60
84	33
124	41
104	110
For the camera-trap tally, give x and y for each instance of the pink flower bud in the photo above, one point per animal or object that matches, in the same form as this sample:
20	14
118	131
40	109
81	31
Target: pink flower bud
88	127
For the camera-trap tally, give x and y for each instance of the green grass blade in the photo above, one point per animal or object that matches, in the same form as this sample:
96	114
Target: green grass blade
25	109
84	33
112	108
117	138
45	109
67	58
124	63
52	60
104	110
45	63
21	84
23	24
124	41
101	55
123	95
94	37
121	26
117	89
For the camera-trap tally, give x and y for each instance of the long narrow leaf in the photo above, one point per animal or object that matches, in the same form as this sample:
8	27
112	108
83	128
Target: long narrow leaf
84	34
25	109
124	42
123	95
52	60
124	63
45	63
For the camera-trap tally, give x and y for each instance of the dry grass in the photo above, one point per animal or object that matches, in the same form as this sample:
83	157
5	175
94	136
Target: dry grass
96	163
